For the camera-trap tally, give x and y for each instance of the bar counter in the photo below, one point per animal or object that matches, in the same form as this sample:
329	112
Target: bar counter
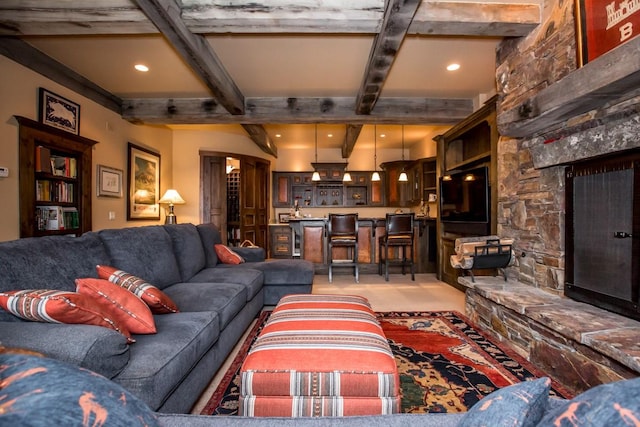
309	242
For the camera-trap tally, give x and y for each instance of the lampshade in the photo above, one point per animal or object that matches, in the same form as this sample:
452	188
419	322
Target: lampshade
403	175
171	197
346	177
375	176
316	175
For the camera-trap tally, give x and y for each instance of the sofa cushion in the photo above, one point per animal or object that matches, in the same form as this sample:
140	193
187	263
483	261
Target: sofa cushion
144	252
210	236
46	392
98	349
226	299
187	248
613	404
159	362
250	278
158	301
521	404
226	255
51	306
285	271
129	309
52	262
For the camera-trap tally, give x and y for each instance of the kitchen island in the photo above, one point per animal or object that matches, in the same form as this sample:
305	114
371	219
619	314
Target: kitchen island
308	240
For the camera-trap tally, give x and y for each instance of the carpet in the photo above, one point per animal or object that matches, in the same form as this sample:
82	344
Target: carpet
445	364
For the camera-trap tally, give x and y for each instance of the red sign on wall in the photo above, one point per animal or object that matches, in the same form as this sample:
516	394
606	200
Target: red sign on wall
606	24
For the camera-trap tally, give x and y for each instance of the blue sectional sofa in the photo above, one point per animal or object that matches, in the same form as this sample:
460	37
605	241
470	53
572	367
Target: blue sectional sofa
217	302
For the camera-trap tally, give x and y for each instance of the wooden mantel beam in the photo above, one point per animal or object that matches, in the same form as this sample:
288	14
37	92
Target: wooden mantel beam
433	18
296	110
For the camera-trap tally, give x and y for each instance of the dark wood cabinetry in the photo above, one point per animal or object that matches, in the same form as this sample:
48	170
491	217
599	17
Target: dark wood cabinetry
55	180
399	193
281	243
469	144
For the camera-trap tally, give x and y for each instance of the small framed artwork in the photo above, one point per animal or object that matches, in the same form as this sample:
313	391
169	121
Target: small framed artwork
109	181
283	217
143	186
59	112
603	25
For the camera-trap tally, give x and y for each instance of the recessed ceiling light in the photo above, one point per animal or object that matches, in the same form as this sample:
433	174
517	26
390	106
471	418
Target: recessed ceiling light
382	135
278	135
141	67
453	67
330	135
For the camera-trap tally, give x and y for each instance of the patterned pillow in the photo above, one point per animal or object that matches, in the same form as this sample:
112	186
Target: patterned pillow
521	404
158	301
226	255
43	392
127	307
51	306
613	404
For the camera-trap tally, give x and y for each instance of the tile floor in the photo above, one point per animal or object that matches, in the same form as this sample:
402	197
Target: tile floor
400	293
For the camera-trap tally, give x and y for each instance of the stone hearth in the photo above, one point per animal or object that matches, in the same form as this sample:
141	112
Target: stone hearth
578	344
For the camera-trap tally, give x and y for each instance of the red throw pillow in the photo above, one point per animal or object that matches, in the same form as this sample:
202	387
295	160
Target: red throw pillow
127	307
226	255
52	306
158	301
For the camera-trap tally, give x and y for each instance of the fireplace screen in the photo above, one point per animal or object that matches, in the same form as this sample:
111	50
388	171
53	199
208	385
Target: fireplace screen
602	218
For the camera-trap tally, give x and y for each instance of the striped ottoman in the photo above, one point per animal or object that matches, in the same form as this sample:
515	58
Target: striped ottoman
320	355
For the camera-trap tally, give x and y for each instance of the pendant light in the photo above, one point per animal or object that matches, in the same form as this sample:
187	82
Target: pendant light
316	175
403	175
347	176
375	176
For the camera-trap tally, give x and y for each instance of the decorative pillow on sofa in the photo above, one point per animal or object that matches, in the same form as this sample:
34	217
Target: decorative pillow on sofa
158	301
42	392
128	308
51	306
613	404
226	255
521	404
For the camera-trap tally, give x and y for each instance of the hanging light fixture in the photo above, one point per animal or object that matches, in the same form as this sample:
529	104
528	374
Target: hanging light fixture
375	176
316	175
403	175
347	176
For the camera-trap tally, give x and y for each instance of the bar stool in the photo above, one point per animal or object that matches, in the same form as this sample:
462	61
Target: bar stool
399	234
342	232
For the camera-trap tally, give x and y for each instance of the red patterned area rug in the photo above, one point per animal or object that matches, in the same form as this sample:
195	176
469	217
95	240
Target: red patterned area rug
445	364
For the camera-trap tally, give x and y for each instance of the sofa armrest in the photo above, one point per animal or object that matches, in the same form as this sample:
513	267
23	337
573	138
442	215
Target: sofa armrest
98	349
250	254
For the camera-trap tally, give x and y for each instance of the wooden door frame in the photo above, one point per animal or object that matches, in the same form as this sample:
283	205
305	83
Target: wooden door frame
205	155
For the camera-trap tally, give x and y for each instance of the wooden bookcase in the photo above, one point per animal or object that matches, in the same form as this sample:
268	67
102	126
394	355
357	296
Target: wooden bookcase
40	188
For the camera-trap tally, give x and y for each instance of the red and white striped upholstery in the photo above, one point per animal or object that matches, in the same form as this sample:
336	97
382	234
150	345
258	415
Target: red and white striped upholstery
320	355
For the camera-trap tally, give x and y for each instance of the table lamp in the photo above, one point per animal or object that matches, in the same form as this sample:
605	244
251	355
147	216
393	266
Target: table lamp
171	197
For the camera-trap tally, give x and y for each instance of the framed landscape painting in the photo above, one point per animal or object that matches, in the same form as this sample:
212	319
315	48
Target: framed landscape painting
602	25
143	170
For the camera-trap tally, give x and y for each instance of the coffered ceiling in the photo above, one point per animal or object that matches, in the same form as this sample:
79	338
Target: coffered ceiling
271	68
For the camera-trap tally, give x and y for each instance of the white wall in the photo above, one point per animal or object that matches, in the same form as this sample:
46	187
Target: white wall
19	91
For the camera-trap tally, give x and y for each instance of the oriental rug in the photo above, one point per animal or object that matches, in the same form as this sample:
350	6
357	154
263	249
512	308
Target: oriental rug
445	364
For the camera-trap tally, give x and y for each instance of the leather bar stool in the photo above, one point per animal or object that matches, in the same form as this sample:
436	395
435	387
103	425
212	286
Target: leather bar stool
342	232
399	236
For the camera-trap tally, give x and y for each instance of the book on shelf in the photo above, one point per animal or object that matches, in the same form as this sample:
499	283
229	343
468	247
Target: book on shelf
49	218
64	166
43	159
52	191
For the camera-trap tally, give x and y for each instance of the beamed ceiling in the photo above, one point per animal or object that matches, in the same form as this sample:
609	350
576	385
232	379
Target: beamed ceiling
272	67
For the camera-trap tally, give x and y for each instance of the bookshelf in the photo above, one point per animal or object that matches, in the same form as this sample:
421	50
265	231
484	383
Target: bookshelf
55	180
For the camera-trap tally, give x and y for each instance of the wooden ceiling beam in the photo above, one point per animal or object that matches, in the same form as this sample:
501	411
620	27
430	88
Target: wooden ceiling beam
259	136
395	24
433	18
296	111
196	51
351	136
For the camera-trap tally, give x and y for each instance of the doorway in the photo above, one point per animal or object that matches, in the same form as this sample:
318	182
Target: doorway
235	196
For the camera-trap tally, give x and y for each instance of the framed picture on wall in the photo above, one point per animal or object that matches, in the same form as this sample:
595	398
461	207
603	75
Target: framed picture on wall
603	25
59	112
109	181
143	186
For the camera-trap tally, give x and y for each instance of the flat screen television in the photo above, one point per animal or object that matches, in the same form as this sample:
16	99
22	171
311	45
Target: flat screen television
464	196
